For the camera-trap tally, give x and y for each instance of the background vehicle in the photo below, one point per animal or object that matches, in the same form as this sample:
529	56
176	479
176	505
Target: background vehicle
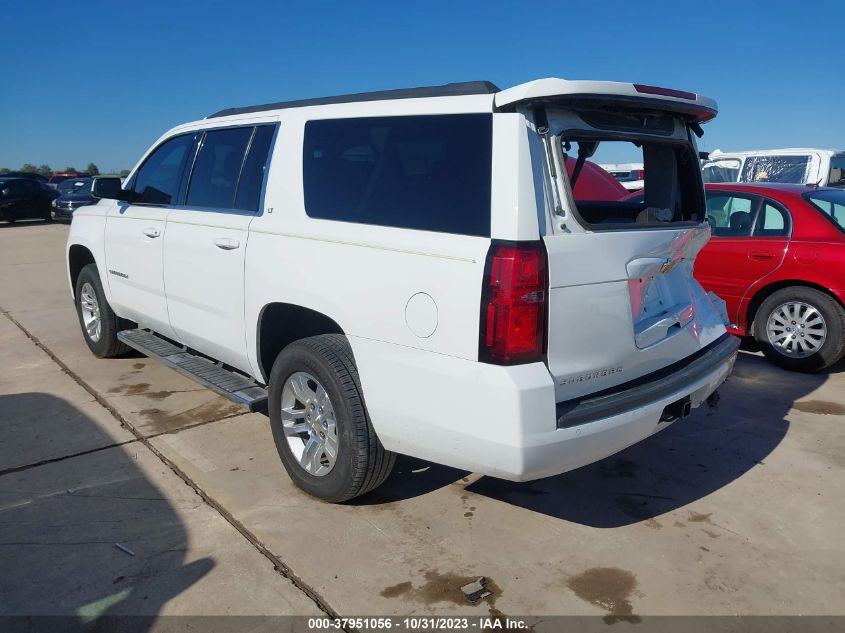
823	167
630	175
70	184
76	195
499	318
777	257
25	174
58	177
23	198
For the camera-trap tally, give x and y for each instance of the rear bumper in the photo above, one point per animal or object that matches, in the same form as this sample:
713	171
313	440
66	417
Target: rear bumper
654	387
504	421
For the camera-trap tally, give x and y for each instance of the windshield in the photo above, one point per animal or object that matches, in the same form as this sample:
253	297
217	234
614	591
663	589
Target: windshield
724	170
84	186
831	202
836	178
70	185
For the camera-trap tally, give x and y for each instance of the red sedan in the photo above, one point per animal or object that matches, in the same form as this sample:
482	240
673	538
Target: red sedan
777	257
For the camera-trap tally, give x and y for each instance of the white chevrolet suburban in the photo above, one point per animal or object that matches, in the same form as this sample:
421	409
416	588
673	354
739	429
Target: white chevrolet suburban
409	272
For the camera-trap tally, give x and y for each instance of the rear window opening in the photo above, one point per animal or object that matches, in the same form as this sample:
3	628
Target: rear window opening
672	191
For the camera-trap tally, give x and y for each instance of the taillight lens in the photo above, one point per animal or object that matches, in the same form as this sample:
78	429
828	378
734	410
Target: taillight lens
639	174
513	304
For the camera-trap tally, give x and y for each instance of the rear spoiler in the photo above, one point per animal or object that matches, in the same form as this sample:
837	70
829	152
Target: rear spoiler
604	94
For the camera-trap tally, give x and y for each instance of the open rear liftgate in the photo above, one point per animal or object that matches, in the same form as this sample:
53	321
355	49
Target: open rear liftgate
229	384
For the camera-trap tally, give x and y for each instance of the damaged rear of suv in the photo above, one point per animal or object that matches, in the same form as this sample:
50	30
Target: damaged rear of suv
632	341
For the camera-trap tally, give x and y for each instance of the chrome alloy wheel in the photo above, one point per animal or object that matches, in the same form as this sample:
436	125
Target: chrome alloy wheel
309	423
796	329
90	312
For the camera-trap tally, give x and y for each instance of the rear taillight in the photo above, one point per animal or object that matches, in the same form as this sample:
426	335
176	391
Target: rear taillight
513	304
639	174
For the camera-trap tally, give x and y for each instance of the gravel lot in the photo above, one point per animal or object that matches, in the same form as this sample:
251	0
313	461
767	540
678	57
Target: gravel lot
737	512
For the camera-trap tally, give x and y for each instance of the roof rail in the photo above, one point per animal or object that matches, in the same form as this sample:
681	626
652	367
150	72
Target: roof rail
446	90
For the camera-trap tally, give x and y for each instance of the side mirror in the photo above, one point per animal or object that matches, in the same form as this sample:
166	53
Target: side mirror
109	187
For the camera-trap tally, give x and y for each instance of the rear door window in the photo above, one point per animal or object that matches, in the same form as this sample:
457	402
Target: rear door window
157	181
251	181
217	168
731	215
787	169
431	173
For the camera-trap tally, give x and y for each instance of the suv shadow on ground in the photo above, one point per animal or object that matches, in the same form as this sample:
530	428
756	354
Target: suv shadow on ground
64	504
686	462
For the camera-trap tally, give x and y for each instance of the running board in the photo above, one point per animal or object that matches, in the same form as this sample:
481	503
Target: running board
229	384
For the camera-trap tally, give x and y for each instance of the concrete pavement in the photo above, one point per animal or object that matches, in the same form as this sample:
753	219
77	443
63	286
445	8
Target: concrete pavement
738	512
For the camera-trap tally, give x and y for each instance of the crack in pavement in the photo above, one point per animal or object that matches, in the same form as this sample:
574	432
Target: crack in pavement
278	564
53	460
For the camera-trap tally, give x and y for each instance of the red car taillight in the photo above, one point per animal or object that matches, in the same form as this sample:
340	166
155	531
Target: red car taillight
639	173
513	304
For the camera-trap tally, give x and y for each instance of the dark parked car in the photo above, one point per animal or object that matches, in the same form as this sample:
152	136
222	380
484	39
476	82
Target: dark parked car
25	174
22	198
73	198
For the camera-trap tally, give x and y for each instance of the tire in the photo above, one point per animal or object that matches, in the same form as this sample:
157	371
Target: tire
799	302
361	463
105	344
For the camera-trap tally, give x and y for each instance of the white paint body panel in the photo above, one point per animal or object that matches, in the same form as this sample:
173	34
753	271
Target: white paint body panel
205	283
409	300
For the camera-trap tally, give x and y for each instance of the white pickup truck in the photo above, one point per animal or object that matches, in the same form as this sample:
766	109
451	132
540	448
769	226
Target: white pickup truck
409	272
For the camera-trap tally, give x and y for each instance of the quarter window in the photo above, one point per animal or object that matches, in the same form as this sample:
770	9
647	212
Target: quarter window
214	179
430	173
158	178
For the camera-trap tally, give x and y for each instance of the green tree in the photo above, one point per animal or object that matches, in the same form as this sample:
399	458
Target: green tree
45	171
124	173
5	170
29	169
92	169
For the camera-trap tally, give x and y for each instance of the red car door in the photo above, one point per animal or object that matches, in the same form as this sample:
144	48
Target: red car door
749	242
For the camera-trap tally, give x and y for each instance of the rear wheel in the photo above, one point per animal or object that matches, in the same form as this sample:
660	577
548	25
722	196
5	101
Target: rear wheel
801	329
99	323
320	424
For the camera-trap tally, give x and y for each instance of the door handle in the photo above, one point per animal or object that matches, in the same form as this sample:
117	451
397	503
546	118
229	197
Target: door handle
761	255
226	243
151	232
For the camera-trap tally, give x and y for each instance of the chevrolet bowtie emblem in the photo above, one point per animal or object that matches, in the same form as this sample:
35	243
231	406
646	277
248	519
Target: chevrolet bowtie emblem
668	265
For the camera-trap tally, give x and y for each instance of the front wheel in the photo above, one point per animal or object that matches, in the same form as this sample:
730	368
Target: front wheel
320	425
801	329
99	323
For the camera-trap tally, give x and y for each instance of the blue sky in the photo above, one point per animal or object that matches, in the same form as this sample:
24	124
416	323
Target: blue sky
100	81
